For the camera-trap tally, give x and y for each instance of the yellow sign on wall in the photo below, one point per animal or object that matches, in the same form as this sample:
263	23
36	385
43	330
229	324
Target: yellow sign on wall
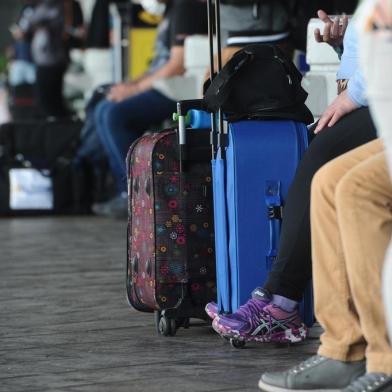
141	50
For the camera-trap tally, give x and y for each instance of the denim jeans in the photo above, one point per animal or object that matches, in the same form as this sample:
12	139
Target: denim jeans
119	124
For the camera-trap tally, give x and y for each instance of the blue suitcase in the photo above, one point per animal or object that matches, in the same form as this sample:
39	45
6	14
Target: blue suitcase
250	187
252	171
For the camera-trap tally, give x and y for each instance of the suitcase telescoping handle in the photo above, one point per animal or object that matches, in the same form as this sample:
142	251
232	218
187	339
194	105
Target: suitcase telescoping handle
216	126
182	109
184	106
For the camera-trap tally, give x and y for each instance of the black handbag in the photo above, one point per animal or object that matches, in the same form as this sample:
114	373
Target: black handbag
38	171
259	82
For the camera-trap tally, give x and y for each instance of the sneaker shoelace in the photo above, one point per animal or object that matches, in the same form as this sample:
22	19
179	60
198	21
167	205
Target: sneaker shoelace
251	309
369	382
316	359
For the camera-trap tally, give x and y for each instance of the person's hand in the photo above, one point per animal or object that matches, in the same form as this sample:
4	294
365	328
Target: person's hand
16	32
382	15
334	30
341	106
121	91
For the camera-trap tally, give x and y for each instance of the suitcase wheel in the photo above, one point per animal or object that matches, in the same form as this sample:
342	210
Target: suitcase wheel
237	343
166	326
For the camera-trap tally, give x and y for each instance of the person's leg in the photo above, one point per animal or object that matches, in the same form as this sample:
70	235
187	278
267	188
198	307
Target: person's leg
100	119
387	290
292	270
119	125
343	339
340	359
364	206
49	86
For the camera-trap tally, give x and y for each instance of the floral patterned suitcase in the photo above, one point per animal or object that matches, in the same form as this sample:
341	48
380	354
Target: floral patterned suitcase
171	260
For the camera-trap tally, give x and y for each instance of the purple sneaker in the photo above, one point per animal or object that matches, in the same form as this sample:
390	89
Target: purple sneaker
212	310
262	323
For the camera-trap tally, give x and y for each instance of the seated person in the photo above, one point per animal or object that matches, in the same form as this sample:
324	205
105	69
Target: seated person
376	54
131	108
345	125
351	222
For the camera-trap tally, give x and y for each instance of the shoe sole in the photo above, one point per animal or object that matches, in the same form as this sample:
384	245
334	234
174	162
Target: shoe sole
272	388
211	315
287	336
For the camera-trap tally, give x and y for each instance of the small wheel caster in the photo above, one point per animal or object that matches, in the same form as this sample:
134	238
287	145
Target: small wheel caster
157	318
237	343
173	327
186	323
164	326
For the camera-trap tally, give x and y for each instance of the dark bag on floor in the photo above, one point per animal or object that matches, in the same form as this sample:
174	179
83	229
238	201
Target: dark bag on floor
171	262
22	102
37	170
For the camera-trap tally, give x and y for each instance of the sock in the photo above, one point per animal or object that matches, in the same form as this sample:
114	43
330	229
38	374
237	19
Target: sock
287	304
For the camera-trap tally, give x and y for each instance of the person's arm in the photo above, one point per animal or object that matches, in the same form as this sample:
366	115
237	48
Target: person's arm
334	31
174	67
342	105
190	18
356	89
352	98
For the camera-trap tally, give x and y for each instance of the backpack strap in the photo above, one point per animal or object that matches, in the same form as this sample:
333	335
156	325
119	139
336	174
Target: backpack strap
220	87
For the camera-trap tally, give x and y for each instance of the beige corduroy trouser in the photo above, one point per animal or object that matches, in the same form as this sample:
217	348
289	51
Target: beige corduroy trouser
351	223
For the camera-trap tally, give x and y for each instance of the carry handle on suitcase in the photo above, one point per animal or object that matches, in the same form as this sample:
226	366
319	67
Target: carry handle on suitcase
184	106
218	140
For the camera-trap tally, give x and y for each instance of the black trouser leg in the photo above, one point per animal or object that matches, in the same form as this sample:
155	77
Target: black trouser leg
293	268
49	85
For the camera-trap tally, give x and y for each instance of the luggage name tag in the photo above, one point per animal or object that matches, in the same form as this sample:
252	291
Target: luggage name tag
30	189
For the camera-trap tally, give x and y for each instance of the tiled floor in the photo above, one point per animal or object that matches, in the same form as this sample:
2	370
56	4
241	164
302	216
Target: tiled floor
65	324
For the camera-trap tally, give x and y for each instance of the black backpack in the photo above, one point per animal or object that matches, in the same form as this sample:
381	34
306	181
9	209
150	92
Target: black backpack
259	82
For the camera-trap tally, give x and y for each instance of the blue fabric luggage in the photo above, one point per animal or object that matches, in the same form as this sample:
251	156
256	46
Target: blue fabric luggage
255	154
250	187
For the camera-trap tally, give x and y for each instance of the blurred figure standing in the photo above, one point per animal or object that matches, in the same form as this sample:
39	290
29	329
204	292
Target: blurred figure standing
55	26
21	69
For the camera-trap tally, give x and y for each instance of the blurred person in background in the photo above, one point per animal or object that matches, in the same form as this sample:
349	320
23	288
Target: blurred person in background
21	68
131	108
55	26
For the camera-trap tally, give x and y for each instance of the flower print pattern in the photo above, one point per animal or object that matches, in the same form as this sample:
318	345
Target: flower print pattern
199	208
172	204
171	190
180	229
166	223
181	240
